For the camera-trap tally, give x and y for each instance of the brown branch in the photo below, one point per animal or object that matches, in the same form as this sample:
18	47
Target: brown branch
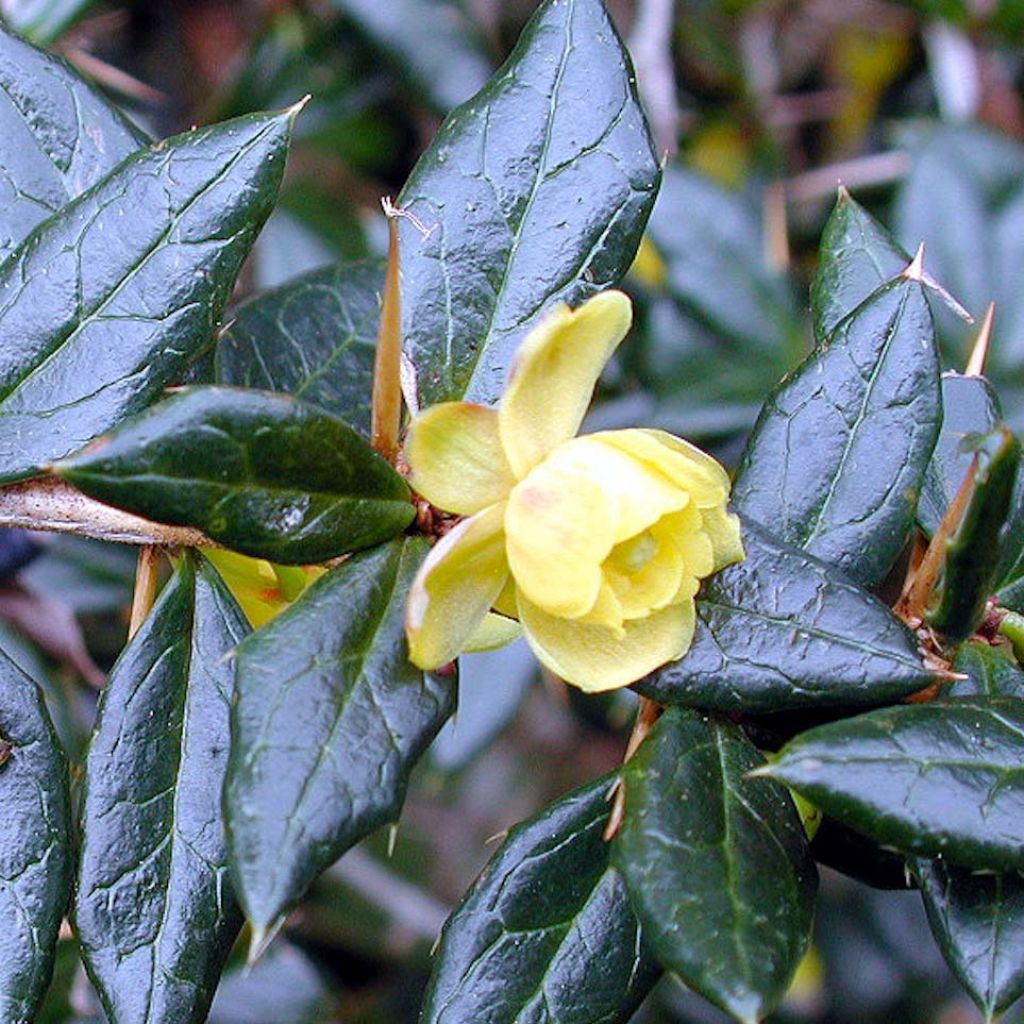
52	505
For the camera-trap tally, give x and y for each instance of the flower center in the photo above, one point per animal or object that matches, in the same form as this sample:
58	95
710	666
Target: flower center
631	556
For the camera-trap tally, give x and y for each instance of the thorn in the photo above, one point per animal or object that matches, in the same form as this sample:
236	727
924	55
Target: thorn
763	772
498	837
296	108
392	839
915	270
842	194
260	940
979	353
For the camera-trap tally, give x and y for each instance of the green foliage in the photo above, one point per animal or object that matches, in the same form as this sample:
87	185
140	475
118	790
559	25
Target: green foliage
848	698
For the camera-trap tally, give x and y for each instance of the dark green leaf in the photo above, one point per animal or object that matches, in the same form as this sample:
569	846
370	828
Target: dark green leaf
964	200
941	779
836	461
313	338
784	630
60	136
978	922
432	41
260	473
536	190
970	408
153	910
711	242
845	850
43	21
546	933
991	672
716	867
972	551
108	301
857	256
329	719
35	853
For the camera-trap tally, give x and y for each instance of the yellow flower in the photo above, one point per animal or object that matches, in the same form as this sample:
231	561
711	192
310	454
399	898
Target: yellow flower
593	546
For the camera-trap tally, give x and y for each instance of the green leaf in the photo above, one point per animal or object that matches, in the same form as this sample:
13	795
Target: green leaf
313	338
59	136
108	301
839	451
978	923
332	671
433	42
260	473
972	552
784	630
857	256
856	856
153	911
36	853
963	199
991	672
546	932
940	779
534	191
711	242
970	408
715	865
43	21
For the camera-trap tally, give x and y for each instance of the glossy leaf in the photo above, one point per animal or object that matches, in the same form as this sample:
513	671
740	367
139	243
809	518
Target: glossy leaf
60	136
108	301
154	913
839	452
990	671
715	863
260	473
447	63
978	922
36	854
313	338
970	408
972	552
546	932
44	20
940	779
711	242
535	190
857	257
782	629
330	717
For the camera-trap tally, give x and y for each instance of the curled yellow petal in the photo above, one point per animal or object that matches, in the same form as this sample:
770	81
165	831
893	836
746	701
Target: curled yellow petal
596	658
454	589
723	530
554	375
455	457
560	527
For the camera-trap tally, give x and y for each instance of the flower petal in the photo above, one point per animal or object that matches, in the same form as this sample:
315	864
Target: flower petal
684	464
455	457
493	631
454	589
559	528
596	658
644	588
723	530
639	491
554	375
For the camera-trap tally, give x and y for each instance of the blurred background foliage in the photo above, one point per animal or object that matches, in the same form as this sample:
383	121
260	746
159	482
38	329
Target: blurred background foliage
761	108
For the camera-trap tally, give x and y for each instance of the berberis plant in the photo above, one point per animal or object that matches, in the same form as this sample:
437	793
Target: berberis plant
827	669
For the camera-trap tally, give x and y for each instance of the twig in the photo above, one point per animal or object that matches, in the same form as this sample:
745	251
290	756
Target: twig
877	169
650	44
146	577
647	714
52	505
386	412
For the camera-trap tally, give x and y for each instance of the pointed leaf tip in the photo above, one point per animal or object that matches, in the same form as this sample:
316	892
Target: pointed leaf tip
915	270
